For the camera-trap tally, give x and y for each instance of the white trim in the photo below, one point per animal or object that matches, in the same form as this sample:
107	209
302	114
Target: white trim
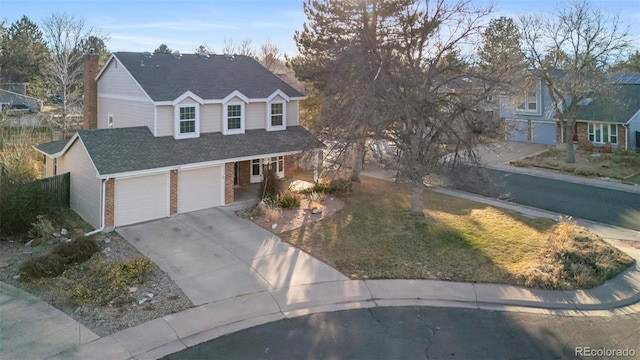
278	93
617	135
221	101
176	122
186	95
155	120
137	173
270	127
225	120
631	118
168	193
123	97
235	93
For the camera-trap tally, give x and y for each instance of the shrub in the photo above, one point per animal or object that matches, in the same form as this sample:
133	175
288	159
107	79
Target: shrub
289	199
271	185
340	186
76	251
316	196
583	172
49	265
131	270
42	230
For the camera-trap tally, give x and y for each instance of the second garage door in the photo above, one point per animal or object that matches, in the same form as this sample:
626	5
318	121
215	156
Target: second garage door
200	189
141	199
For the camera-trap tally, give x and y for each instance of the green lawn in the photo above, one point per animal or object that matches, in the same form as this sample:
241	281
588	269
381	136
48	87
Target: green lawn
375	237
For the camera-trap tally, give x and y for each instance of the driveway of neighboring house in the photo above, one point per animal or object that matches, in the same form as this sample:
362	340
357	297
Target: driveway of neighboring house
213	254
505	151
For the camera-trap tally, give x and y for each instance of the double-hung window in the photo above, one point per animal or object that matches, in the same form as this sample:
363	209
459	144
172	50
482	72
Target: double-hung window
529	101
233	118
603	133
187	125
276	115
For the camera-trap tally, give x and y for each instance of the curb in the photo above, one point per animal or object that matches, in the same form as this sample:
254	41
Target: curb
173	333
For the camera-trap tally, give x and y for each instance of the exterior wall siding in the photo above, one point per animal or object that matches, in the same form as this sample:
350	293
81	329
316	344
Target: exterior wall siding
165	120
210	118
292	113
49	167
126	113
634	126
86	188
256	116
289	166
116	80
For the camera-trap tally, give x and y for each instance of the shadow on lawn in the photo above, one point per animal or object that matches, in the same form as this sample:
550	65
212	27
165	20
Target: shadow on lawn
375	237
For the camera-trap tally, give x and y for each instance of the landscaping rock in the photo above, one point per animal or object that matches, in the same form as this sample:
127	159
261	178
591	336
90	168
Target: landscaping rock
106	251
133	289
106	240
64	232
29	243
56	234
316	211
65	240
274	226
16	277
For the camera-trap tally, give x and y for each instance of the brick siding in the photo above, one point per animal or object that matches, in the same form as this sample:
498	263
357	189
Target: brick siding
229	191
173	193
90	101
109	203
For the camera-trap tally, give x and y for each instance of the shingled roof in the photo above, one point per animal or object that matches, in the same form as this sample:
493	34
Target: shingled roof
619	108
164	77
122	150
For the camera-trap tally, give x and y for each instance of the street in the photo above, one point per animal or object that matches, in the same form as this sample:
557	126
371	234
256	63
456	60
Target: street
581	201
426	333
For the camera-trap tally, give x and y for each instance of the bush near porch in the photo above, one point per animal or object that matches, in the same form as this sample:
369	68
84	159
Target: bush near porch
621	165
374	237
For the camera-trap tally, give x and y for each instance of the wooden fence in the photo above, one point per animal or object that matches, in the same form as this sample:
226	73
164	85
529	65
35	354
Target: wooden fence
56	190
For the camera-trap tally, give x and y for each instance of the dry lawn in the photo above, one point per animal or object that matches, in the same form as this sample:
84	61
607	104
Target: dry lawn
374	237
622	165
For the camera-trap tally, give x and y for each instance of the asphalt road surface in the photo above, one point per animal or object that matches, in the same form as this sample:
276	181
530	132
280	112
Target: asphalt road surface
581	201
427	333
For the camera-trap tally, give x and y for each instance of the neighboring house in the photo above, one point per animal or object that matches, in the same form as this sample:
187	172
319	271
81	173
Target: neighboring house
530	117
14	100
169	133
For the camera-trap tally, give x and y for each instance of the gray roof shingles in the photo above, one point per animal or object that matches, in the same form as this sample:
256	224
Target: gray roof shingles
165	77
133	149
52	147
625	103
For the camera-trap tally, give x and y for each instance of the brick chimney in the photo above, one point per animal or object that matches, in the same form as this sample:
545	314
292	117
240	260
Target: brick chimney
90	101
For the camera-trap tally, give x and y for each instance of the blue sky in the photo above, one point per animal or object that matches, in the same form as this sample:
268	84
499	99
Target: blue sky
142	25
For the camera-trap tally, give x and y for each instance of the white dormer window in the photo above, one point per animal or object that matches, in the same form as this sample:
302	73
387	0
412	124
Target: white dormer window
233	118
187	121
276	115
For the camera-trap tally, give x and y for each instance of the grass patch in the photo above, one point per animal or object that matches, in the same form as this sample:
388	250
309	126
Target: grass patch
617	165
634	179
459	240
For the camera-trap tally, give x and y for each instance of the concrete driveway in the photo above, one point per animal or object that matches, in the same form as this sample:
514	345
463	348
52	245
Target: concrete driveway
503	152
213	254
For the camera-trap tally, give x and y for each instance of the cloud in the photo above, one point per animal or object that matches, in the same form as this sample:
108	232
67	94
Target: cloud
172	25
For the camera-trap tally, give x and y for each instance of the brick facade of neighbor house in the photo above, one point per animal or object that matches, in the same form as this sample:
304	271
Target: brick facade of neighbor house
583	135
244	172
622	138
109	202
289	166
90	97
229	169
173	193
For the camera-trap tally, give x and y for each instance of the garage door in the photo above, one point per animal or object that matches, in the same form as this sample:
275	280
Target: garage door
517	130
200	189
141	199
544	133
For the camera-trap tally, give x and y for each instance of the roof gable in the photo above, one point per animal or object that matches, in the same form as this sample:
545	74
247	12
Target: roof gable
165	77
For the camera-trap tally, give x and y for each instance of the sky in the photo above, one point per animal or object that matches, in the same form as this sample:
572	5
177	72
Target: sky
142	25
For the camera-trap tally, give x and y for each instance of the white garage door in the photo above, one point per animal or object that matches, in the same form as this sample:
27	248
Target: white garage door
141	199
200	189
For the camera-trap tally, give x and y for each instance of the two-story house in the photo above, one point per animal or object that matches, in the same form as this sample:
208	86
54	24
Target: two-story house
169	133
529	115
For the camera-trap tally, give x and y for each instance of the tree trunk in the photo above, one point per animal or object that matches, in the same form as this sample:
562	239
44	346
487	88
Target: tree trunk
361	141
569	130
417	191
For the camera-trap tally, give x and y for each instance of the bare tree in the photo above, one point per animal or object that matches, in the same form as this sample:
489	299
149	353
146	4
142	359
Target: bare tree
65	36
570	53
244	48
270	55
205	49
